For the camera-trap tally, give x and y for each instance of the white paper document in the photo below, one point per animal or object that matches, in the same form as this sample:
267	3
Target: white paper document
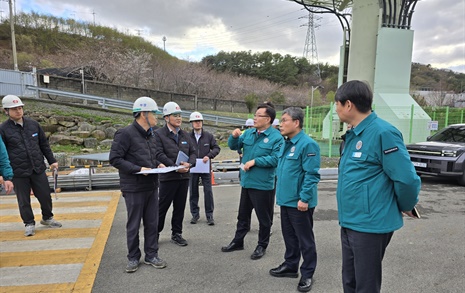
160	170
201	167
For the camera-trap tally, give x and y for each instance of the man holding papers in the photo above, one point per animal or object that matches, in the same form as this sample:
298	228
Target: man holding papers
171	142
206	150
133	150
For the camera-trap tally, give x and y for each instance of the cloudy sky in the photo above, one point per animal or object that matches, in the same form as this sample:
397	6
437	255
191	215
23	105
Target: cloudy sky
196	28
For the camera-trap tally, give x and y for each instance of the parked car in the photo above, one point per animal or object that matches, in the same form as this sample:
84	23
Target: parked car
443	154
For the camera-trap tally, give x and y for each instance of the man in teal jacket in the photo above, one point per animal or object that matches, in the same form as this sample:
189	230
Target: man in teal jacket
296	193
377	183
6	172
260	147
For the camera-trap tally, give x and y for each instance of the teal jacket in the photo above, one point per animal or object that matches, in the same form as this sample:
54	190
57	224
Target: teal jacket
5	168
298	165
376	178
264	149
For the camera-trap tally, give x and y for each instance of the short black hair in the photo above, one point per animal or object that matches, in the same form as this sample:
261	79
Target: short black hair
358	92
269	109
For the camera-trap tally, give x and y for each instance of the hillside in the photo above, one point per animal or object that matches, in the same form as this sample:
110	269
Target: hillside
49	42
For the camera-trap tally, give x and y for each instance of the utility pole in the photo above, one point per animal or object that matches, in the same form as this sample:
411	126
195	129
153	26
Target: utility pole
93	13
13	40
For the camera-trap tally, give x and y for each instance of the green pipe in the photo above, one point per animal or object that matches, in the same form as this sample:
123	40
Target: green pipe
447	117
306	120
330	129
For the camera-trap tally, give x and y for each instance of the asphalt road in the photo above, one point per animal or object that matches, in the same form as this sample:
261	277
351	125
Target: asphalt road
426	255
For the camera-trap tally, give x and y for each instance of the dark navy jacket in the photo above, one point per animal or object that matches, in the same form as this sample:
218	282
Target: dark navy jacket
168	148
206	146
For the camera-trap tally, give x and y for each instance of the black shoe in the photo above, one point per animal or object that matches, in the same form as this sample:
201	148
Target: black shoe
305	285
194	220
177	239
258	253
232	246
284	271
210	222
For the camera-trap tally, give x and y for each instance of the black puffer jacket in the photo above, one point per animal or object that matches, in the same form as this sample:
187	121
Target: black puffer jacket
26	145
132	149
167	151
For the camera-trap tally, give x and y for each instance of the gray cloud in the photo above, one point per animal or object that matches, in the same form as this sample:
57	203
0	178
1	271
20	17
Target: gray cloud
196	28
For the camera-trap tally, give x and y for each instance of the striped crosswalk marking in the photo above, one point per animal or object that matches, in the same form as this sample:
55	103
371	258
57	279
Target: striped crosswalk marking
56	259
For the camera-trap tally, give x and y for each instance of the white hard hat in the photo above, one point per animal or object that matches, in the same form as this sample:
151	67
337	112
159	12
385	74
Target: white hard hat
11	101
275	122
171	108
249	122
145	104
195	116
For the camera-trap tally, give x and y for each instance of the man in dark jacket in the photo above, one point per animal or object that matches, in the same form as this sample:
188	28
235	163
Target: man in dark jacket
133	150
27	145
170	141
207	149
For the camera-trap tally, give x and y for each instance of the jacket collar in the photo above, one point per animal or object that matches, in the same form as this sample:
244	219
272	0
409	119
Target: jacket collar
266	131
364	124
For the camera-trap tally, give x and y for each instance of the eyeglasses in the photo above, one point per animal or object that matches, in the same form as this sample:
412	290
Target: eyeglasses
261	116
285	120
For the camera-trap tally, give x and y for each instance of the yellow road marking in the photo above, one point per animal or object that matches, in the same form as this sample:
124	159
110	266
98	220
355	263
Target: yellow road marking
58	204
64	287
90	258
47	257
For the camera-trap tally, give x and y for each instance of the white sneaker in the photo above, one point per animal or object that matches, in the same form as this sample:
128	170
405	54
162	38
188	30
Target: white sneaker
30	230
51	223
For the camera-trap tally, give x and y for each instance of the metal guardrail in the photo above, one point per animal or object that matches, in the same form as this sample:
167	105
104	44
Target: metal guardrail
225	172
121	104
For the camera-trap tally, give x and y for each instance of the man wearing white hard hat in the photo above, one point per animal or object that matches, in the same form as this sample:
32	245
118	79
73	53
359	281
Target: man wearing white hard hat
27	146
171	140
133	150
206	149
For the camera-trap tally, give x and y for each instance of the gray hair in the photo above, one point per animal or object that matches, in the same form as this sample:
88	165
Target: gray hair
295	113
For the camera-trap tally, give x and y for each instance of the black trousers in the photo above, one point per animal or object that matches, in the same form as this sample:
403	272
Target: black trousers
362	256
262	201
39	185
207	192
142	206
172	192
297	229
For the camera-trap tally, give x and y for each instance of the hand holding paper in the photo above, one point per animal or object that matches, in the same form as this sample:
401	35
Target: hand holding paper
201	166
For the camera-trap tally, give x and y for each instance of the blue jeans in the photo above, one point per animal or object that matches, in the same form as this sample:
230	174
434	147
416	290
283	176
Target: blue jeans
207	192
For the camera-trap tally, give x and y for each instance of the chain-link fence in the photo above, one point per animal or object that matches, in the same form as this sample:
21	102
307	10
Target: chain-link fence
411	120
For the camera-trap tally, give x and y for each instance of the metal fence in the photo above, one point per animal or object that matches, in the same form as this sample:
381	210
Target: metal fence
113	103
15	83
